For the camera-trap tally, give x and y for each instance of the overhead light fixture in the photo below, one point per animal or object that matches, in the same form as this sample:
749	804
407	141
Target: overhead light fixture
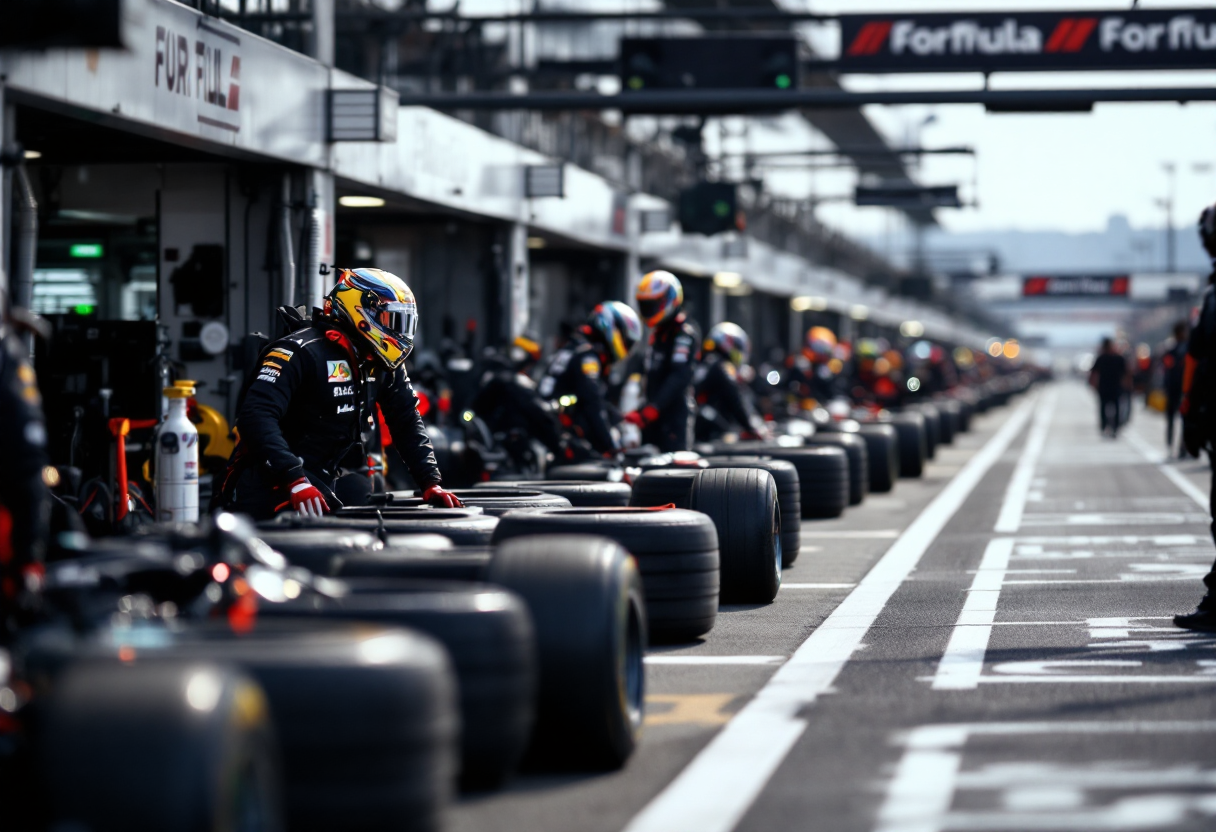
808	303
859	312
728	280
537	242
361	202
30	155
911	329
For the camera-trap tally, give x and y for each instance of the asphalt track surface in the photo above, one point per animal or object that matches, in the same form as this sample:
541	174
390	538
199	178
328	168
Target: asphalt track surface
986	648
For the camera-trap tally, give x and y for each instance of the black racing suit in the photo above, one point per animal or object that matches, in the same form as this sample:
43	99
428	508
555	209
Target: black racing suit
575	373
1201	407
509	402
671	360
723	404
304	412
23	497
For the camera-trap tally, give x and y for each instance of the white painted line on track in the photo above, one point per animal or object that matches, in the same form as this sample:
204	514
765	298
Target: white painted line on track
922	790
1014	503
1175	476
873	534
721	783
963	662
817	586
714	660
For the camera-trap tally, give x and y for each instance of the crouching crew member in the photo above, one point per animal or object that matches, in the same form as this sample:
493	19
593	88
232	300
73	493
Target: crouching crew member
307	406
675	348
724	404
575	378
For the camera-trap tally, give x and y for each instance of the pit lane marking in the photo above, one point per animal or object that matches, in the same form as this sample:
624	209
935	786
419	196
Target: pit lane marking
688	708
714	660
715	790
919	796
1014	504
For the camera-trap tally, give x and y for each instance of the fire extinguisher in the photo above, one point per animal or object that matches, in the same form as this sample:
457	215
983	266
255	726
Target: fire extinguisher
177	459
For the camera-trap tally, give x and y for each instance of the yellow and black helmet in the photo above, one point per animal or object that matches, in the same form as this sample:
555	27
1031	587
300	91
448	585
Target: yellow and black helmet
380	308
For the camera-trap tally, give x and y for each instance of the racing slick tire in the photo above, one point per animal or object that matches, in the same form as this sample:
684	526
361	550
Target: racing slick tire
488	634
494	501
161	745
933	429
664	486
588	610
463	526
676	552
859	461
823	478
586	597
882	443
582	494
743	505
592	471
913	443
366	717
789	497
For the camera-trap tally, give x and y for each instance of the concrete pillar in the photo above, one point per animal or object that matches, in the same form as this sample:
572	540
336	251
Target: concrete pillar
797	331
323	31
320	199
717	306
516	280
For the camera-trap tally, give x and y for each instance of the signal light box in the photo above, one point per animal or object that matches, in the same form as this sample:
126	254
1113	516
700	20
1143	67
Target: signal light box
712	62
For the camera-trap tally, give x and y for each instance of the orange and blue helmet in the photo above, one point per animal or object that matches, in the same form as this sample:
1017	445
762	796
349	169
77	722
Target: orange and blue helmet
729	340
820	343
380	308
660	296
617	326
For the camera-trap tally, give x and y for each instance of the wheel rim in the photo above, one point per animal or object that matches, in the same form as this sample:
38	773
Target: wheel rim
632	670
778	555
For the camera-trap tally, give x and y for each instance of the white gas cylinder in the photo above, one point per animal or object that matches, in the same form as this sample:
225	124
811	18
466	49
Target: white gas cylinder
177	459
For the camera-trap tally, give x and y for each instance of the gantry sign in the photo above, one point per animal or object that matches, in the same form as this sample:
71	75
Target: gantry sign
1028	41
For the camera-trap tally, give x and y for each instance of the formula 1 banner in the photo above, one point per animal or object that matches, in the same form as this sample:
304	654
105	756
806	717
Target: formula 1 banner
1075	286
1017	41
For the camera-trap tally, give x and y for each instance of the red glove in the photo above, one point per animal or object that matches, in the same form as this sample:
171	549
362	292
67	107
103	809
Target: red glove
306	499
642	417
438	496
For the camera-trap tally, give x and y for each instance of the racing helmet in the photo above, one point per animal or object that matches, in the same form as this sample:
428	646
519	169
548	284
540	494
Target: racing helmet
379	308
729	340
1207	230
525	349
660	295
617	326
820	343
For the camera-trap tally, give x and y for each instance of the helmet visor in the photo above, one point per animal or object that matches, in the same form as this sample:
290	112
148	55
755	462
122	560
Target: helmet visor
399	319
650	308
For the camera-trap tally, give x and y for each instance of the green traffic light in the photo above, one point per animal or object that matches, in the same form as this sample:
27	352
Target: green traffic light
784	82
721	208
636	83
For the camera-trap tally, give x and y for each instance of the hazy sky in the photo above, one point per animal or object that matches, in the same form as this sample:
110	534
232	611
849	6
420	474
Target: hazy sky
1051	171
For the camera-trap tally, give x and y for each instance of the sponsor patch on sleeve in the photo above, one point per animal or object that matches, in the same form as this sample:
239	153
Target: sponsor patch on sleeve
591	366
279	353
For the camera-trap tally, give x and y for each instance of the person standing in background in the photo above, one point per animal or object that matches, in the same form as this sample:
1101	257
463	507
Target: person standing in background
1172	363
1111	377
1198	409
